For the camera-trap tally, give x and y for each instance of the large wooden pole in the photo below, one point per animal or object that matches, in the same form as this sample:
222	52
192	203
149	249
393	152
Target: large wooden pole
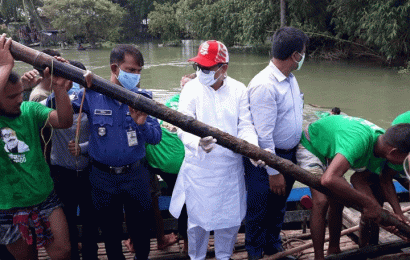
186	123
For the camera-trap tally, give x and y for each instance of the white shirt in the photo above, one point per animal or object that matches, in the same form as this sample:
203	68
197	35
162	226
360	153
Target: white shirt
276	105
212	184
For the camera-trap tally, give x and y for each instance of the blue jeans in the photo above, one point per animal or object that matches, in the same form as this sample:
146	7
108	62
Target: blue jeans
265	210
131	189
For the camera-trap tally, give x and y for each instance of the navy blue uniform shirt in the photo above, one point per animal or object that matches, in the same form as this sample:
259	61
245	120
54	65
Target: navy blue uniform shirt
113	131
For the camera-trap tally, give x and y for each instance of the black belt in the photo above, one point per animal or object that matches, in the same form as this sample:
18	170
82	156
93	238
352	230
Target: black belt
113	169
286	151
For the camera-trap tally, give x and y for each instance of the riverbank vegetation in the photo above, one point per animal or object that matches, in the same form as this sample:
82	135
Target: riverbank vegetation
338	29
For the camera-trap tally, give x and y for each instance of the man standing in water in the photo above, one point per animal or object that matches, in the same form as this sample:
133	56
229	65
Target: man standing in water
211	179
276	105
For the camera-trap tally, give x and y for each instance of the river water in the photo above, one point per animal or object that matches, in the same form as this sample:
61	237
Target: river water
359	89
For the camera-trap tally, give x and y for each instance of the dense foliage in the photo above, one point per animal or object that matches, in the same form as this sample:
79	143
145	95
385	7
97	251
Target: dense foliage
95	19
381	25
337	28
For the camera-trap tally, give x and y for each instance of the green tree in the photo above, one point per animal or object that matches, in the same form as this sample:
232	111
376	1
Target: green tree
163	20
208	19
259	20
96	19
9	10
137	13
381	25
21	10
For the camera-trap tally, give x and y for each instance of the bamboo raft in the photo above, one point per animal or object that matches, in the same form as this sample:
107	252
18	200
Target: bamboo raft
389	245
291	239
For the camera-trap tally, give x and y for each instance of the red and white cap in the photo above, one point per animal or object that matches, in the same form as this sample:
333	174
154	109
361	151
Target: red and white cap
211	53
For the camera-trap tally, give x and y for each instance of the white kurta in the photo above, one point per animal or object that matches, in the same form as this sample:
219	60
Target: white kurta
212	184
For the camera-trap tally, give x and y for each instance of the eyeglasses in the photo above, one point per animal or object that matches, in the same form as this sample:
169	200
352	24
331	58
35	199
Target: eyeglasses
406	166
205	70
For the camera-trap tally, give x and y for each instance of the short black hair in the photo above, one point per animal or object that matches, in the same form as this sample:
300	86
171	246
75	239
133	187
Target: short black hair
336	111
286	41
398	136
14	77
118	53
52	52
77	64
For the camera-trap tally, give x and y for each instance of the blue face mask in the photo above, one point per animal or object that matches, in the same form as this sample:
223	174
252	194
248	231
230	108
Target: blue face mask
129	80
75	88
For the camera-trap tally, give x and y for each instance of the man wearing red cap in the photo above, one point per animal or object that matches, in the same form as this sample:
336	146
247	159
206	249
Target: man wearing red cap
211	180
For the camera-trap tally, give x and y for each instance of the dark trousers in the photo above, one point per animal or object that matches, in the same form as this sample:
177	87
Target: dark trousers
110	193
5	254
170	180
265	210
74	189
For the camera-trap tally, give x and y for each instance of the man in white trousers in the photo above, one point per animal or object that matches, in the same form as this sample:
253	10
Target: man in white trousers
211	180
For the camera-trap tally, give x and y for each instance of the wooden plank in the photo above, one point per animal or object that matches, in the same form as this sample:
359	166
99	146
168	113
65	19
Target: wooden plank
296	216
351	218
173	252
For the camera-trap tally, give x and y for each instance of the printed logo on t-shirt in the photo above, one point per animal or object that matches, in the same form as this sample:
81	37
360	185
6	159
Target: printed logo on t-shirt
13	145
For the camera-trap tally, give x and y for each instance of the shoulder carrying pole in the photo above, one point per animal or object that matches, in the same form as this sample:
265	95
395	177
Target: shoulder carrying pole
186	123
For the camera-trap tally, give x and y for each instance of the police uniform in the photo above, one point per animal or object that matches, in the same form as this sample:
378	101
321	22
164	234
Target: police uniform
118	175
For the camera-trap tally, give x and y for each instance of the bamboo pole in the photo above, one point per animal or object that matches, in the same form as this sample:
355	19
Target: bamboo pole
186	123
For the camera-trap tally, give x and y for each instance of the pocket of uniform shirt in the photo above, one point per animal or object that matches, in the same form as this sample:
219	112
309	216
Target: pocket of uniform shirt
103	118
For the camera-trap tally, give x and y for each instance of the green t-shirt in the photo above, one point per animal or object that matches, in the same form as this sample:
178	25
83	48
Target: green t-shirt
169	154
322	114
173	102
24	177
352	137
400	119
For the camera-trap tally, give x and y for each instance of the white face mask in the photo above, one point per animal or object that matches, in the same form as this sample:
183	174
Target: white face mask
300	63
207	79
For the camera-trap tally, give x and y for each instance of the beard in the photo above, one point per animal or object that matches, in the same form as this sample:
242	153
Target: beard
8	114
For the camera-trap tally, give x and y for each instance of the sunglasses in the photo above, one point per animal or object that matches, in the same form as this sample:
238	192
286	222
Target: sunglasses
205	70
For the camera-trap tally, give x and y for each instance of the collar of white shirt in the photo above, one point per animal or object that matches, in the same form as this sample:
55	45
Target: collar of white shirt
277	73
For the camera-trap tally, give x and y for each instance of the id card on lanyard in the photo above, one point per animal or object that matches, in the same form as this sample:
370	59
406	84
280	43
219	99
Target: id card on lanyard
132	137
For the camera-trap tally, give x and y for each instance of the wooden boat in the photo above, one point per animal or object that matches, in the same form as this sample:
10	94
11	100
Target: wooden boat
295	241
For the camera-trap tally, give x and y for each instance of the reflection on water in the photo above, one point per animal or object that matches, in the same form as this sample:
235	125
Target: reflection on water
377	94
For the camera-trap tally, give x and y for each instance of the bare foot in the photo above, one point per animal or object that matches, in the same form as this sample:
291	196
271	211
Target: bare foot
128	244
168	240
331	251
